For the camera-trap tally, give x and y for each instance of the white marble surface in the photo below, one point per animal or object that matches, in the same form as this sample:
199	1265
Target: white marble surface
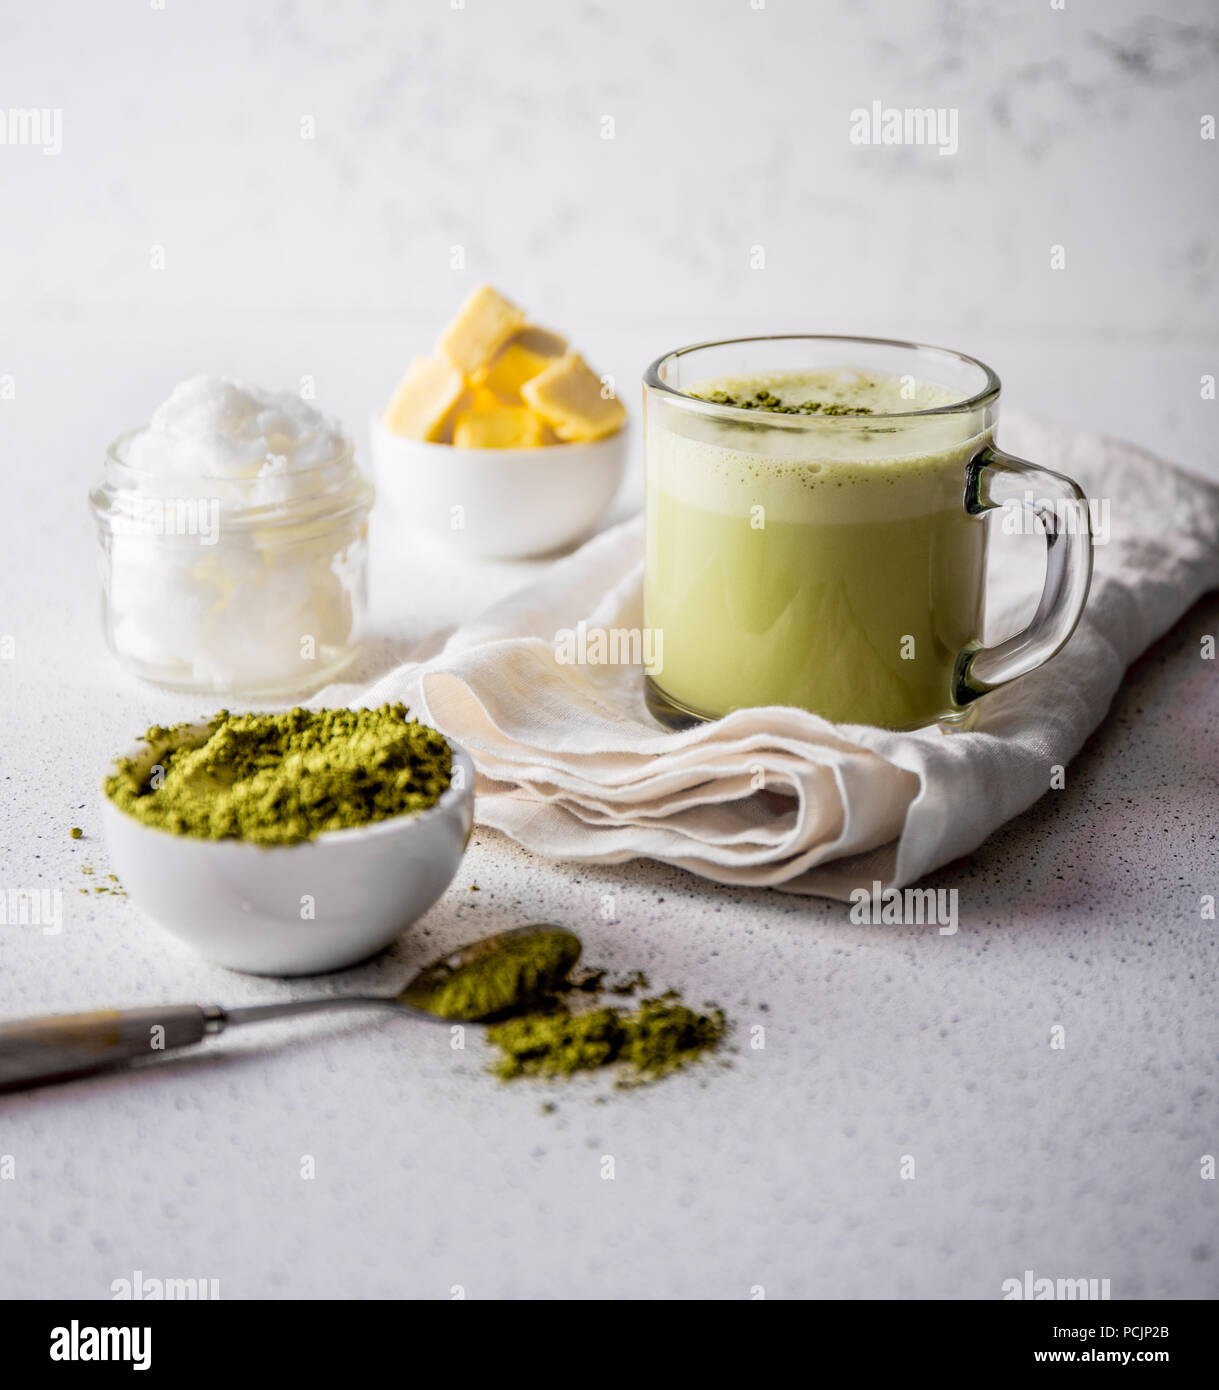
782	1170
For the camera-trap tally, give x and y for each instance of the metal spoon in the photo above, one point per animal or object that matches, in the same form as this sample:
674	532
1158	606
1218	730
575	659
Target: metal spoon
58	1047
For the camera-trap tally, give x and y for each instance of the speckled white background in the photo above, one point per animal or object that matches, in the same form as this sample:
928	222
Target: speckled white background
481	127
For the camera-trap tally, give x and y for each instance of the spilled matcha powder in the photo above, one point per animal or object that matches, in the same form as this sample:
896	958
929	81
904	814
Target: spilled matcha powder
655	1038
521	981
278	779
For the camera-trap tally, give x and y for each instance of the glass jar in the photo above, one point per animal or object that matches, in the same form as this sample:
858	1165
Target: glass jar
254	584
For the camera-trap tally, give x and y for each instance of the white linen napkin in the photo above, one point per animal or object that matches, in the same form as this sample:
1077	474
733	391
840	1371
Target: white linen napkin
572	766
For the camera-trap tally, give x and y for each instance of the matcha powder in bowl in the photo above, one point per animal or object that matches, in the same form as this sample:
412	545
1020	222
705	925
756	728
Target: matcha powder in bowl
279	779
292	842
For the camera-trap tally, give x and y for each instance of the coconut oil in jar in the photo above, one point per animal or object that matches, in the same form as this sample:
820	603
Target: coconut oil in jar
234	537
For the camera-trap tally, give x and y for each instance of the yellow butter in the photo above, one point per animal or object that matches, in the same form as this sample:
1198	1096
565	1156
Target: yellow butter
423	405
541	341
504	427
514	366
568	396
484	323
483	399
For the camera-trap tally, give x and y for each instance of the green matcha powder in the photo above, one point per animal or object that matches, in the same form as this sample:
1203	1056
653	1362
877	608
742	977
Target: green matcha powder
278	779
767	400
657	1037
523	987
518	974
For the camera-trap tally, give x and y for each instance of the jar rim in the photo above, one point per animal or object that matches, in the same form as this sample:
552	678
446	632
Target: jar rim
337	479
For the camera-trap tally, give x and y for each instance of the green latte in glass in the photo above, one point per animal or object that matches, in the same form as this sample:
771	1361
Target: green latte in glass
833	568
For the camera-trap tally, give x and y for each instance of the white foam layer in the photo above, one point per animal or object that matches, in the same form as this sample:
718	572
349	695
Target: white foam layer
813	469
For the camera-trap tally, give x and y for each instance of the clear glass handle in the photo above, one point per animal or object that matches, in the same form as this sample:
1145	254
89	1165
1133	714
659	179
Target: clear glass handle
995	479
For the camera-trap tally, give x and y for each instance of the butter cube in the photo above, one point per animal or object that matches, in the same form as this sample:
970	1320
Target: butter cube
567	395
542	341
505	427
484	323
482	399
511	370
422	407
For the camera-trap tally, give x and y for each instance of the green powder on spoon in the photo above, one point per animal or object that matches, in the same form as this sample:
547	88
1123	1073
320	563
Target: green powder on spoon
520	973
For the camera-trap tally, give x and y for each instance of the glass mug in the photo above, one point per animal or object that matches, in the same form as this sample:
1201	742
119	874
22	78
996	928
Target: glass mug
837	562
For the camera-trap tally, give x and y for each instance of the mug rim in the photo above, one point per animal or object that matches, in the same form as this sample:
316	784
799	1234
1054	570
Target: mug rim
986	396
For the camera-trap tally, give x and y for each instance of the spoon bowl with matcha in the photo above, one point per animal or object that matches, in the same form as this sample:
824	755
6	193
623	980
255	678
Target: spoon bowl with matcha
290	843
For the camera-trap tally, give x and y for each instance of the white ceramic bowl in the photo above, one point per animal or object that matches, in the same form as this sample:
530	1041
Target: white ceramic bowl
241	904
498	503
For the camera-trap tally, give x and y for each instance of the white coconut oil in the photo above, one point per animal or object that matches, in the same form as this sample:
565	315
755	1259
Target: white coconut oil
234	535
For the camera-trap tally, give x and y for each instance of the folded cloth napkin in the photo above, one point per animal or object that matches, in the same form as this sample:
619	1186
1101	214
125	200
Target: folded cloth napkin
572	766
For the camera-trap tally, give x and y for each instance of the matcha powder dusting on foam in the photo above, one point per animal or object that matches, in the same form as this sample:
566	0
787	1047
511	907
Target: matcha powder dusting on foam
278	779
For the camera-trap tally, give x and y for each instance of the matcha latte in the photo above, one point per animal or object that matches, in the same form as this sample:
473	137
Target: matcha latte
807	545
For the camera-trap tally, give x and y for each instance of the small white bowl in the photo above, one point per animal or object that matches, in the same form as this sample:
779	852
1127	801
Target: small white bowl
498	503
247	907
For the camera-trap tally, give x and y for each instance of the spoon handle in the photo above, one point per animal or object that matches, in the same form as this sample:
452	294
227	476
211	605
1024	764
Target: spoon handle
36	1050
260	1013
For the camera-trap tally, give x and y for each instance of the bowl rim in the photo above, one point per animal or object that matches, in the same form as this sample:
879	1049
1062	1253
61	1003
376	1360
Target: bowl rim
452	796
